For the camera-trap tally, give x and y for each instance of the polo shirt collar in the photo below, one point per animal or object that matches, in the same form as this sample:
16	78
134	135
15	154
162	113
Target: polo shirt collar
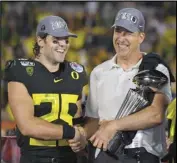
112	63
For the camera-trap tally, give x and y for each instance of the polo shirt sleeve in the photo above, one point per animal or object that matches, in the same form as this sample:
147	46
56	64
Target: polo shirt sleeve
166	89
91	109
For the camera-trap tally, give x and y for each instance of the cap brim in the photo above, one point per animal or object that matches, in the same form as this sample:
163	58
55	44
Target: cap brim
72	35
62	34
125	24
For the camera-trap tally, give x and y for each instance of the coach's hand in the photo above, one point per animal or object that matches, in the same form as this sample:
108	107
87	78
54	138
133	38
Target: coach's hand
104	134
79	142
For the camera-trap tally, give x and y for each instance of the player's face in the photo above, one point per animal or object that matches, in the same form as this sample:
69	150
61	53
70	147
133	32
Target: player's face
55	48
125	42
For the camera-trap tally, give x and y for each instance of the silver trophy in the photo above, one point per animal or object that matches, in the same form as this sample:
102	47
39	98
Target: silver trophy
135	100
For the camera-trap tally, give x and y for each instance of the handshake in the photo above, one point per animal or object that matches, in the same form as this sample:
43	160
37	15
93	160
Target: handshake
79	142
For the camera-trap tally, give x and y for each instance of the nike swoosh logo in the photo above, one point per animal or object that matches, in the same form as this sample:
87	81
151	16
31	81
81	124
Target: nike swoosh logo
56	81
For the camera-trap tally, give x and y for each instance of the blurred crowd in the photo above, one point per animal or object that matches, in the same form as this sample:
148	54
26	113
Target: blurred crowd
92	22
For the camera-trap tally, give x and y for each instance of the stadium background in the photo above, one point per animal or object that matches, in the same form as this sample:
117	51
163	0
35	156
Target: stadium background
91	21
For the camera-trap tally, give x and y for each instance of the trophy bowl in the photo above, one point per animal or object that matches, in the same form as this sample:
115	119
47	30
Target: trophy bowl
151	78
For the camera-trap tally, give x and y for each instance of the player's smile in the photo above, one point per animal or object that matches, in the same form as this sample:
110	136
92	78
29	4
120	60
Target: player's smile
61	52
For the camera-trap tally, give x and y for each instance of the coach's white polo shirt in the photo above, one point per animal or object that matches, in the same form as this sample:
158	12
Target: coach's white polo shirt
109	84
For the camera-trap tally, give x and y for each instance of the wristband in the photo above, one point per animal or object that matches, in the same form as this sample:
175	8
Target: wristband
68	132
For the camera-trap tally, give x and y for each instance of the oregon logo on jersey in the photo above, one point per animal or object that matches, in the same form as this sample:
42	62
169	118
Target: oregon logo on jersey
30	70
75	75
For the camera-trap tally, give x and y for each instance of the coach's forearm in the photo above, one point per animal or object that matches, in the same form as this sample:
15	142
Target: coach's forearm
148	117
140	120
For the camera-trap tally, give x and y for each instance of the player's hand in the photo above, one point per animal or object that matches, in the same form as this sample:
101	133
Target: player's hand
79	142
103	135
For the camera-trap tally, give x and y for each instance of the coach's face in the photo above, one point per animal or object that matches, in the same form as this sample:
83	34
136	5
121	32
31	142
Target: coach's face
126	42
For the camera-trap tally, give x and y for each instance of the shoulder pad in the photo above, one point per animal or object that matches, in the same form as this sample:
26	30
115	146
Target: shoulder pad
77	67
10	64
21	62
19	70
26	62
22	59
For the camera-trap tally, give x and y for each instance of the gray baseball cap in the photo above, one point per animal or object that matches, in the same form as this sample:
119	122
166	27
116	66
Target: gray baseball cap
130	19
54	26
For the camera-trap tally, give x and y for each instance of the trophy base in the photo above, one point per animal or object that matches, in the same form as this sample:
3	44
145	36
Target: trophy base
120	140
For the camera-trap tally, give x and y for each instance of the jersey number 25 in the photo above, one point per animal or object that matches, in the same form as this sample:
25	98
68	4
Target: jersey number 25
54	99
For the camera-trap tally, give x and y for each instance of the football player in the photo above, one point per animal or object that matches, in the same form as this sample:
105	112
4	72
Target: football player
44	95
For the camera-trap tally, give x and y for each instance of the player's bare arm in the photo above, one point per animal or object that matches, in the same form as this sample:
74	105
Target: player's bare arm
79	109
22	107
78	145
91	124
